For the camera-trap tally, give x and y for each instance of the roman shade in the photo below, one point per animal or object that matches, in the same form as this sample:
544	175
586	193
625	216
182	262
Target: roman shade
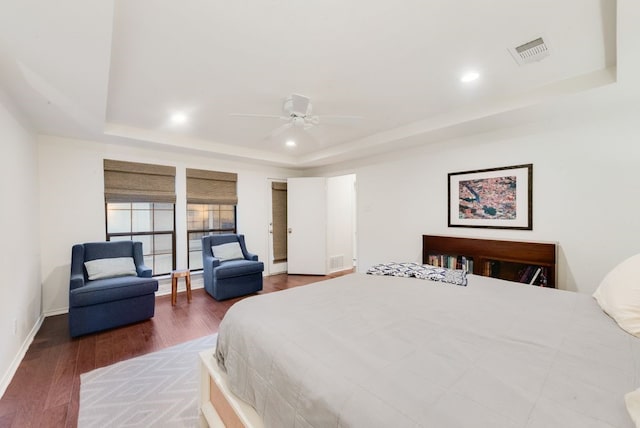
211	187
138	182
279	219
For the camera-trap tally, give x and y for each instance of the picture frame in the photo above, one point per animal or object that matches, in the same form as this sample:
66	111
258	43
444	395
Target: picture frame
495	198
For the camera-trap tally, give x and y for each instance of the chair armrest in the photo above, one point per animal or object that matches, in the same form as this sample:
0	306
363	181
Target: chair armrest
76	276
211	261
76	281
143	271
247	254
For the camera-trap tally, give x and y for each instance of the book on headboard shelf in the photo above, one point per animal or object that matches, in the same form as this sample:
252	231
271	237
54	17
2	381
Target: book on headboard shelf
518	261
534	275
450	262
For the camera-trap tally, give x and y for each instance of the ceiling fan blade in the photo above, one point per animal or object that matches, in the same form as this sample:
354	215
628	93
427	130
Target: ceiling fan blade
299	104
305	136
279	130
268	116
337	120
340	117
311	121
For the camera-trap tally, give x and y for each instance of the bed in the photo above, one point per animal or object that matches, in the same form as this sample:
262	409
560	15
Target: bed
381	351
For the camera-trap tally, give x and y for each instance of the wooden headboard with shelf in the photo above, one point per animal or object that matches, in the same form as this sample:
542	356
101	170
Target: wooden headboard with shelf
503	259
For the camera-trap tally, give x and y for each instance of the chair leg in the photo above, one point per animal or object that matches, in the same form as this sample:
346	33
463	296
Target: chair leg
174	290
188	283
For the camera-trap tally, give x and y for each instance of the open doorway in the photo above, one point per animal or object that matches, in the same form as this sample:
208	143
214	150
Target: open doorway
277	226
341	223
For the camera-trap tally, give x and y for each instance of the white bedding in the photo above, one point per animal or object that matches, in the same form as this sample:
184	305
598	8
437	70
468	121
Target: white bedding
375	351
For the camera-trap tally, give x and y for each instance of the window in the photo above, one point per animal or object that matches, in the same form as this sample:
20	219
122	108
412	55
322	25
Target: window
211	208
207	219
151	223
140	205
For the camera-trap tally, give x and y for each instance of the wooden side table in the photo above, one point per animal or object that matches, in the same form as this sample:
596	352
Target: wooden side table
181	273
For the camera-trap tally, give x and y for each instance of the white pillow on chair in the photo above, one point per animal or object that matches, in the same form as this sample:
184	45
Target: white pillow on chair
230	251
110	268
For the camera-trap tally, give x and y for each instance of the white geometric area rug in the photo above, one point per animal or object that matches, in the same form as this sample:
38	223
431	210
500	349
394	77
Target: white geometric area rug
154	390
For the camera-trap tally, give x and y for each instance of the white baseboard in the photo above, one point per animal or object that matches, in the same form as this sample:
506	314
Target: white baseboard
13	368
54	312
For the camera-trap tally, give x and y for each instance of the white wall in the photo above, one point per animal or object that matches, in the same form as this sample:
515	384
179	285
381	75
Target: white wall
19	247
72	200
340	212
586	193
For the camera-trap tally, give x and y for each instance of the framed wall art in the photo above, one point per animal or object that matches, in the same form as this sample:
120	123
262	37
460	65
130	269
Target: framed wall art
496	198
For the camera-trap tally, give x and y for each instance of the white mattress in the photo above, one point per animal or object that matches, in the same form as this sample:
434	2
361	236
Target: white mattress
372	351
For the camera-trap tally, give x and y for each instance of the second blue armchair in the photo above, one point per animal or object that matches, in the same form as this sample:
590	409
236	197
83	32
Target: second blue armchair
229	269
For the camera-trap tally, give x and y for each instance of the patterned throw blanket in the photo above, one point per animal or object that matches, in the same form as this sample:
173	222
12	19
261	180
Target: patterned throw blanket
415	270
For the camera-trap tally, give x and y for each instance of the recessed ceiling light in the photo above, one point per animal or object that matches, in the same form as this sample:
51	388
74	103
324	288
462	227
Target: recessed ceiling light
470	77
290	143
178	118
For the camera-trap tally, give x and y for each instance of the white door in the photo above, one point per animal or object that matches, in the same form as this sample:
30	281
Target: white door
277	208
307	230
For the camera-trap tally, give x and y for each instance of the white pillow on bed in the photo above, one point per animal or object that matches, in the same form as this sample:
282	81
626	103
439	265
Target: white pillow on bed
619	295
230	251
632	400
110	268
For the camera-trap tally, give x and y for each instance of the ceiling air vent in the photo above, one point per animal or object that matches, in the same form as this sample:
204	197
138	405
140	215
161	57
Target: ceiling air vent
532	51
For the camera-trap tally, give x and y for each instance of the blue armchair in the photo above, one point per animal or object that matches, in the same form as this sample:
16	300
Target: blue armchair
238	275
112	300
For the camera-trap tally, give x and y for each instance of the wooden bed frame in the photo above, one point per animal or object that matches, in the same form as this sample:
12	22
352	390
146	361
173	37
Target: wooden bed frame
218	407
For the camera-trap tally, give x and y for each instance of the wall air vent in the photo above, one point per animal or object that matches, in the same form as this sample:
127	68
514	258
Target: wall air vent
336	263
532	51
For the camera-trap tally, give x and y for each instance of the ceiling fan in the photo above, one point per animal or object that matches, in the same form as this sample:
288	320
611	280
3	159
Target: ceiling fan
297	111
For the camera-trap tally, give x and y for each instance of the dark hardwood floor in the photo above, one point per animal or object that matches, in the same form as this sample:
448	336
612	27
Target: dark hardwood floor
45	390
